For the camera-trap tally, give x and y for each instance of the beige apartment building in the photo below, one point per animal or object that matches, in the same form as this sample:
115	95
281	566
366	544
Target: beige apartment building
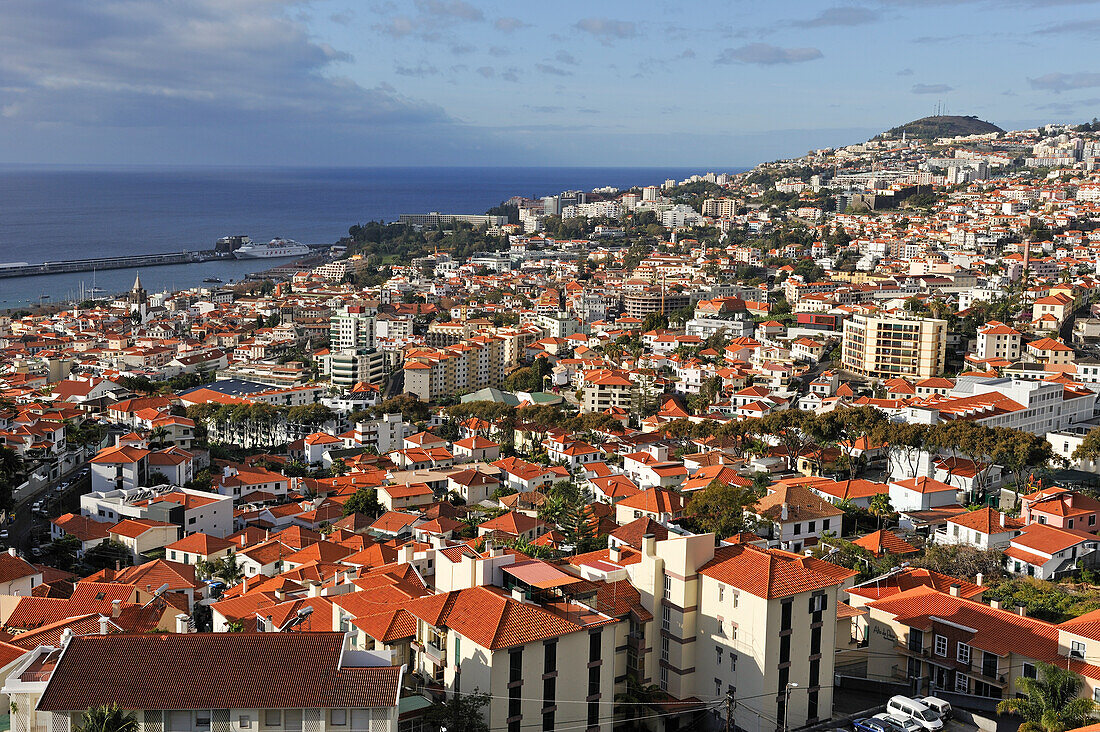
888	346
737	619
473	364
606	388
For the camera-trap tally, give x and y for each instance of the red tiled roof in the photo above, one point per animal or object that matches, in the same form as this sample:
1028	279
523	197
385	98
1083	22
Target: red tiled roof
885	542
771	573
215	671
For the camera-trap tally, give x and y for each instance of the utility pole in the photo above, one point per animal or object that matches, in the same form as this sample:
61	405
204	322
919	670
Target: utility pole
731	704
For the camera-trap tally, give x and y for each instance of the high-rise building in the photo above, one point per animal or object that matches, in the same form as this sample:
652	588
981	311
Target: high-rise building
886	346
352	327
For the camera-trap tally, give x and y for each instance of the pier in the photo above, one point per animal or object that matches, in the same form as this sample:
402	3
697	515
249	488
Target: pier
97	263
23	269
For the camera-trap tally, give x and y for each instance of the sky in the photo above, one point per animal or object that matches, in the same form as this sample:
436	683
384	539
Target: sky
563	83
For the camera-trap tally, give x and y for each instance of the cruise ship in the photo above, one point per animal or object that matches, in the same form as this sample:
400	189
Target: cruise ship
277	247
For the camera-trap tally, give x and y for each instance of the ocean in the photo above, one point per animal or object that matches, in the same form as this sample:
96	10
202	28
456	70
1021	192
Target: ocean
50	214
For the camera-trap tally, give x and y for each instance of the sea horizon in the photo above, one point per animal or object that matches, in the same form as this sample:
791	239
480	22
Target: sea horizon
51	213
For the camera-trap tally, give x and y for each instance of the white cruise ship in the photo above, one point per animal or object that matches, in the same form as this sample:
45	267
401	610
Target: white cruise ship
277	247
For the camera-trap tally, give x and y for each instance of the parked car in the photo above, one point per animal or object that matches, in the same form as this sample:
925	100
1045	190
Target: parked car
870	724
926	717
36	507
942	707
903	723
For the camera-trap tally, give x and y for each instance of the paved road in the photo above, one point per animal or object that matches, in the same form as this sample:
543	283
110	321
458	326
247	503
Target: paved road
22	533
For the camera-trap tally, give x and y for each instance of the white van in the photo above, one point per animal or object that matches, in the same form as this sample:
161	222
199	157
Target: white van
941	707
903	706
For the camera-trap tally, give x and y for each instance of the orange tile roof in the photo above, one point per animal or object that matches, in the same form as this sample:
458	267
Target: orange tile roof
771	573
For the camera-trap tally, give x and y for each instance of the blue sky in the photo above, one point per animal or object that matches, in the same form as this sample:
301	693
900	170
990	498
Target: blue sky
461	82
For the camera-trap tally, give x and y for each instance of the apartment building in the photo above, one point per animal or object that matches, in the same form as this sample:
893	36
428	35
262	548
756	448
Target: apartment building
606	389
352	326
529	658
473	364
997	340
295	681
730	619
887	346
351	366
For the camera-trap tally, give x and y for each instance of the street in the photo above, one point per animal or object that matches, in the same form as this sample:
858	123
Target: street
23	531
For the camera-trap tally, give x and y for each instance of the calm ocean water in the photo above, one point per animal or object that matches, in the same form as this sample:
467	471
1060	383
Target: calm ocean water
49	214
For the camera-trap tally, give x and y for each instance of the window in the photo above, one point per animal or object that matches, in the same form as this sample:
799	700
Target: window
941	645
785	615
718	687
244	722
736	597
811	527
733	663
1092	520
963	654
797	529
273	718
664	679
1029	671
721	593
1096	694
202	720
666	618
550	657
664	649
338	717
825	524
818	603
179	721
668	587
961	683
718	654
1077	649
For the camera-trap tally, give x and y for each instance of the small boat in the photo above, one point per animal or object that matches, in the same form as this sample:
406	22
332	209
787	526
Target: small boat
213	280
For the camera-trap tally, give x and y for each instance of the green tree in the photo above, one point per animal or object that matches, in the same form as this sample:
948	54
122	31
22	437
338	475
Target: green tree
107	718
720	508
880	507
224	568
364	501
1051	702
11	468
460	713
633	705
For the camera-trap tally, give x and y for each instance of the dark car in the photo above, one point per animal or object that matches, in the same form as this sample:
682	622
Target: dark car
868	724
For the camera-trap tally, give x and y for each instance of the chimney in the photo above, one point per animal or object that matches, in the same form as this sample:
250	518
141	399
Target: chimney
978	579
104	625
649	545
488	548
242	541
518	594
11	551
1002	520
614	553
783	511
118	565
1021	611
244	585
314	589
955	590
116	608
181	623
280	595
995	604
66	636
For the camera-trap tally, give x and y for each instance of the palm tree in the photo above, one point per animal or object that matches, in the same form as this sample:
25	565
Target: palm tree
1051	702
880	507
158	436
635	704
107	718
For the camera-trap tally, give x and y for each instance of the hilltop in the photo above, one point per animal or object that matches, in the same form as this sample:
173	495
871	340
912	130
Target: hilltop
929	128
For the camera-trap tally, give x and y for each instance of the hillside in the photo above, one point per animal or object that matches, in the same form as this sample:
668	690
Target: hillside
944	126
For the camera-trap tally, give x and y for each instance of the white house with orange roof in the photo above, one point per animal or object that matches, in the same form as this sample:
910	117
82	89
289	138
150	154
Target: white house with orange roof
986	528
318	444
1048	552
921	494
997	340
1050	352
